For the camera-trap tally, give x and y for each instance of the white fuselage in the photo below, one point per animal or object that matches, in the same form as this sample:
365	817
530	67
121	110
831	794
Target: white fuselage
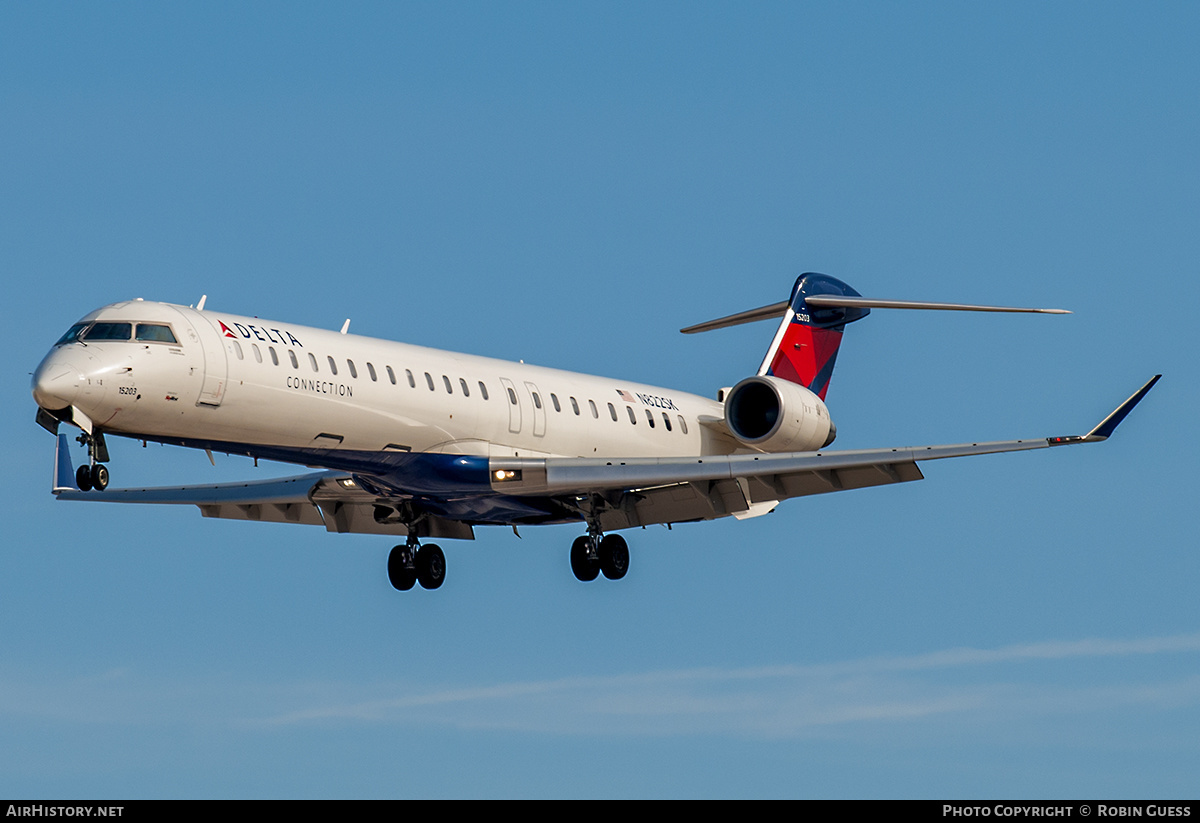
238	380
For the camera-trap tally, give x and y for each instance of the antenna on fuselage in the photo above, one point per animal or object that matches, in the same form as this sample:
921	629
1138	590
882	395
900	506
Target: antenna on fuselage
346	326
200	305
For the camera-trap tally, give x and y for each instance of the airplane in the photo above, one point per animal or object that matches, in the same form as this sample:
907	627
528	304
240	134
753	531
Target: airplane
423	443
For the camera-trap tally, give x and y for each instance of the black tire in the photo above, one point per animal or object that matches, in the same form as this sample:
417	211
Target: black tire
400	571
585	568
431	566
100	477
614	556
83	478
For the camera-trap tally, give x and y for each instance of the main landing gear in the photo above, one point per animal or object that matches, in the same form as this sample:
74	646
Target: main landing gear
93	475
593	553
413	563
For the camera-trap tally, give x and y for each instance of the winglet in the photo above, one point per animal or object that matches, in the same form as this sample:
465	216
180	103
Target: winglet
64	472
1109	424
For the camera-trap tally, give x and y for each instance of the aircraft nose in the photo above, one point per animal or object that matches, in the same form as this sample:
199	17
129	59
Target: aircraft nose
56	382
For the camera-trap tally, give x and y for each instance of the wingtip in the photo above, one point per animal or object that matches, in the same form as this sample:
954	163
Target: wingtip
64	472
1109	424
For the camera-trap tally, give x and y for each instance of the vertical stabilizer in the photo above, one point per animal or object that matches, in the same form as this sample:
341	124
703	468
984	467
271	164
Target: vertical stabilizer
806	345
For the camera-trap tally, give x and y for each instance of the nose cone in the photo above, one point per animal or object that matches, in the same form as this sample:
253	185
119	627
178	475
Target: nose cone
56	383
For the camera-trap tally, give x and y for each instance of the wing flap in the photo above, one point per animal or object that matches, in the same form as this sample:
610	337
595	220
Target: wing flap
742	497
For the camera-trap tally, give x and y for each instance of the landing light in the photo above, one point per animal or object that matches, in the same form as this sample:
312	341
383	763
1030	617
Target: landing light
501	474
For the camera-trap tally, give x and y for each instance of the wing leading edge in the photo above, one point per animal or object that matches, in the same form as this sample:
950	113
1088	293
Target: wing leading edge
622	492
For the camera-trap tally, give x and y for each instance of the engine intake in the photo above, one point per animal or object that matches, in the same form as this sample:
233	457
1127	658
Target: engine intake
774	415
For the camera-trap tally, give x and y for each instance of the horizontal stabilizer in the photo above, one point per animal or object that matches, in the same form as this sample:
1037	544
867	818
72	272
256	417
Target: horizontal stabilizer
874	303
776	310
773	311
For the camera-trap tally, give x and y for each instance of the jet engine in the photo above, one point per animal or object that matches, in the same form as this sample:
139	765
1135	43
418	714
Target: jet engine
775	415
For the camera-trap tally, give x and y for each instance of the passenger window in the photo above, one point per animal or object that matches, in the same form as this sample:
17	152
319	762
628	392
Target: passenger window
449	388
649	417
295	362
632	417
613	412
537	401
391	375
574	407
371	371
682	424
595	414
332	366
412	383
466	391
554	400
237	349
353	371
155	333
257	353
512	397
109	331
274	356
667	421
312	361
483	390
429	380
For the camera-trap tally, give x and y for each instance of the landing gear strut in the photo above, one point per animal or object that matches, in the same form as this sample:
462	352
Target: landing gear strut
413	563
95	474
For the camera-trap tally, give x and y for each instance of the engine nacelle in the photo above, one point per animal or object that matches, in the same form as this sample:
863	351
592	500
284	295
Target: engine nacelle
774	415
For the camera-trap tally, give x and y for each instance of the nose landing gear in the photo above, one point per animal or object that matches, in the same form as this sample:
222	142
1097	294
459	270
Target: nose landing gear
94	475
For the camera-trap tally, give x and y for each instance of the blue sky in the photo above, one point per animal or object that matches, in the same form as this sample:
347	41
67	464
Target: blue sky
570	184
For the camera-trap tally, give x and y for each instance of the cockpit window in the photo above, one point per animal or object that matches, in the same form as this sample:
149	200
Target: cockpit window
72	335
109	331
155	333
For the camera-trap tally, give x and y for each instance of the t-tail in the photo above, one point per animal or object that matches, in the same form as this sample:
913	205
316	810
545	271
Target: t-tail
805	346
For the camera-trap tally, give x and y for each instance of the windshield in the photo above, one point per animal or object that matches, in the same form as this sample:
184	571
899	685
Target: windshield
155	332
109	331
72	334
